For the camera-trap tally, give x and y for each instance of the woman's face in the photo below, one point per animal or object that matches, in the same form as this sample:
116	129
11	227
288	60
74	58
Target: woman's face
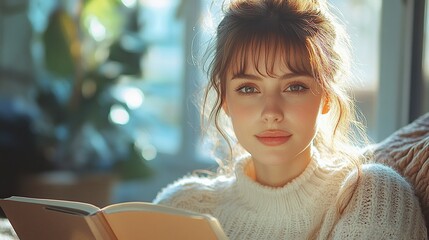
274	117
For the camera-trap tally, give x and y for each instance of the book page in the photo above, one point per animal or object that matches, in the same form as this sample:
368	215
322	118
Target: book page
149	207
72	207
158	225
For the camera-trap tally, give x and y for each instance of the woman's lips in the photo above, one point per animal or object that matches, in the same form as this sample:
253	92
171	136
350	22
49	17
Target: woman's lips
273	137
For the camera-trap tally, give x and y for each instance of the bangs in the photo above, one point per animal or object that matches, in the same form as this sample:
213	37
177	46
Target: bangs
256	48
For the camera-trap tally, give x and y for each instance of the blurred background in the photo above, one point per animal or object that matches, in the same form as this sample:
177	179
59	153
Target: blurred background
97	96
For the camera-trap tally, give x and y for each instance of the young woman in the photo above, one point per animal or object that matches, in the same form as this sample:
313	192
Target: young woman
278	74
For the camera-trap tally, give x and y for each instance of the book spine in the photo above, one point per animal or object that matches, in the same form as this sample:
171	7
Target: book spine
217	229
100	227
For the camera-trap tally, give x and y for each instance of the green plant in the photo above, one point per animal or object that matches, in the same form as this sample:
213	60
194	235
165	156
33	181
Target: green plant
86	56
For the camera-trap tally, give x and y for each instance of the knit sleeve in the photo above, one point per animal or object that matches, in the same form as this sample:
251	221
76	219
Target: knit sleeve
190	193
383	206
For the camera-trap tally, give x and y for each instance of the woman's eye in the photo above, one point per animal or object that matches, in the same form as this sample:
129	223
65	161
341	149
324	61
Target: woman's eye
296	88
247	89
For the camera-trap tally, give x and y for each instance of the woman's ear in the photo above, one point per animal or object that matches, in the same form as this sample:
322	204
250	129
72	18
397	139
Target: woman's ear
326	105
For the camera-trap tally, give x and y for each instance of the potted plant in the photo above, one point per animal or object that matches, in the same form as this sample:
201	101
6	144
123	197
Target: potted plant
87	55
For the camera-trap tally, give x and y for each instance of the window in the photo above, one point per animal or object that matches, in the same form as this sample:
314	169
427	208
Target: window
169	83
163	74
362	20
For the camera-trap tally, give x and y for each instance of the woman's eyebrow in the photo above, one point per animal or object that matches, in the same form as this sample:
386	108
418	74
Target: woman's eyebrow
246	76
255	77
291	75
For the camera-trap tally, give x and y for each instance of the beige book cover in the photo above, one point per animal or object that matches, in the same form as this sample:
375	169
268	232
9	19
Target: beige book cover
34	218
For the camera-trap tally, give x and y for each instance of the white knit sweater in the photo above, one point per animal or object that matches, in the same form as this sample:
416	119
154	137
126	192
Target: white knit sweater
383	205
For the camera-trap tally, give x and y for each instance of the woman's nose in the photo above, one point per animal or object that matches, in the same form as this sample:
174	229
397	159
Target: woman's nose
272	111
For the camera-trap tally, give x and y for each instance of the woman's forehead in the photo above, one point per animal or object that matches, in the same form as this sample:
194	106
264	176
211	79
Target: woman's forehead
263	63
268	58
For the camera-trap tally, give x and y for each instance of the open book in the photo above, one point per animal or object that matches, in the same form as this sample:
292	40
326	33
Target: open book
34	218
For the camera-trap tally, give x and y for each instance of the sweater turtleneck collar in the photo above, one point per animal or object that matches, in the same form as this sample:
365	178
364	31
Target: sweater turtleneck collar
306	190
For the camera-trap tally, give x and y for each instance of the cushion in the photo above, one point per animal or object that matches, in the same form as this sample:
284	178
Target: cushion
407	151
